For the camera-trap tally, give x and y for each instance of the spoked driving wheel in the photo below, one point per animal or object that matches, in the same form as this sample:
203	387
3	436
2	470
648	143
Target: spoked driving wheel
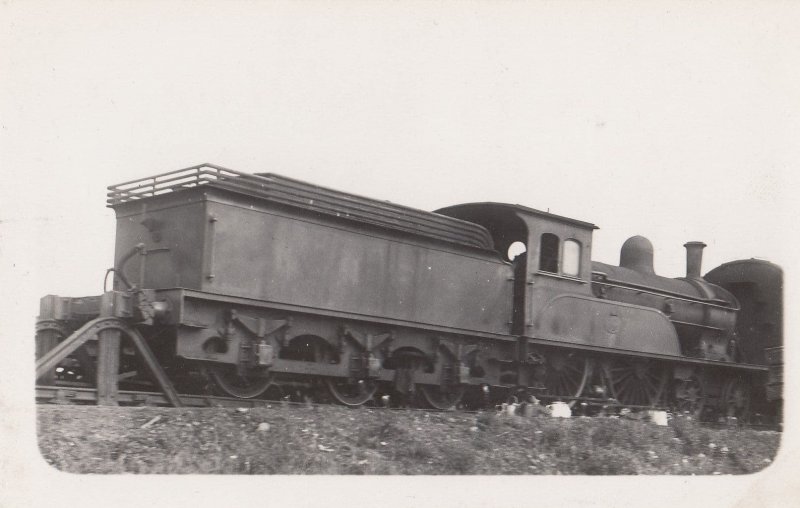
566	375
638	382
351	392
230	382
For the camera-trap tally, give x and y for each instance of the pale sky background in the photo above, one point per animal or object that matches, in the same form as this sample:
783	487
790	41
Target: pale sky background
676	121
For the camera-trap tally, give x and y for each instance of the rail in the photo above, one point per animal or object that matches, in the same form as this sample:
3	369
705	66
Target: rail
67	394
79	393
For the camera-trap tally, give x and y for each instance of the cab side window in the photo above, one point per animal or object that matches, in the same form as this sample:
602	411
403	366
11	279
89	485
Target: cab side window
548	253
571	258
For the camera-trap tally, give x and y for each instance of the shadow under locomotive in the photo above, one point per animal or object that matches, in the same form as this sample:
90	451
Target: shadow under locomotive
264	286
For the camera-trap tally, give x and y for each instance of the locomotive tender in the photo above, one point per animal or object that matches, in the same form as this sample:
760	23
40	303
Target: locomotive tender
262	285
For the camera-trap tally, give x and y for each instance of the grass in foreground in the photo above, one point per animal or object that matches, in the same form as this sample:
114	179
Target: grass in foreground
337	440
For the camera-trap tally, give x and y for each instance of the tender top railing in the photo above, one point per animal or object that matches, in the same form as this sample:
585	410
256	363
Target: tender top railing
298	194
168	182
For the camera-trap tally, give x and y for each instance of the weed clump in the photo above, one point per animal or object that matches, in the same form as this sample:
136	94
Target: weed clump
694	437
553	435
371	436
604	461
458	460
485	421
416	450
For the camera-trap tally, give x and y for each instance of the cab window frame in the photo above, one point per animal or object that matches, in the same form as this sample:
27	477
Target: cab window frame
571	252
549	252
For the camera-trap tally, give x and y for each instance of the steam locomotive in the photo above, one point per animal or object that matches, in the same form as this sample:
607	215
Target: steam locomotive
261	286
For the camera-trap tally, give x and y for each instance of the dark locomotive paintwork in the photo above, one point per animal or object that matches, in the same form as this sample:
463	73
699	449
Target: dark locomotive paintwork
758	286
258	276
226	243
559	307
703	314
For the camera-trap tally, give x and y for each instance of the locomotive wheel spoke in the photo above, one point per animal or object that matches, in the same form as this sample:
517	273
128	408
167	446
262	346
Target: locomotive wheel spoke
351	393
566	375
441	398
636	382
345	391
622	390
231	383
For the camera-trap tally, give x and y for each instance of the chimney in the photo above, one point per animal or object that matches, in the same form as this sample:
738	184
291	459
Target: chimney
694	259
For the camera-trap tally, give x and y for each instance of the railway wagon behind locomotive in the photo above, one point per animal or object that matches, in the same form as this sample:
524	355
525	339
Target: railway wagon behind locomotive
264	284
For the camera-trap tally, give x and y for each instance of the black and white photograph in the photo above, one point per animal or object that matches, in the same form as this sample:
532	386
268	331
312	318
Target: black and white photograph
398	253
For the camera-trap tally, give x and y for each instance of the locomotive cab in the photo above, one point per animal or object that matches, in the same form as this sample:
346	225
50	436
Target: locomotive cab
553	298
555	255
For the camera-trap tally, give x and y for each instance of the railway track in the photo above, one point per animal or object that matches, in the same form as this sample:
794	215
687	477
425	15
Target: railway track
66	395
86	395
78	393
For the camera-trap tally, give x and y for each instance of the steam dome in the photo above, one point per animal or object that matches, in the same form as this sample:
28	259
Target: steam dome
637	254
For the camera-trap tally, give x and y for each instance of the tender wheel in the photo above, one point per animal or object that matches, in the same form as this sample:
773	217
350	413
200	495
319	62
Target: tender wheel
638	382
736	398
231	383
348	392
441	398
351	393
566	375
690	396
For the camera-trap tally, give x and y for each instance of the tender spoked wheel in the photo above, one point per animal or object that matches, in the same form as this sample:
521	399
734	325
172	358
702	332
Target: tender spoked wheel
348	392
444	396
228	380
566	375
636	382
441	398
690	396
351	392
